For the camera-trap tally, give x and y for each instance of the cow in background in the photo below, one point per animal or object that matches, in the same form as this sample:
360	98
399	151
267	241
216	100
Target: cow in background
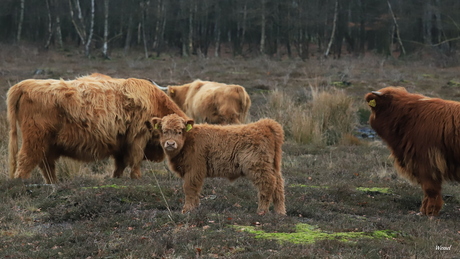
97	76
86	119
423	135
211	102
198	151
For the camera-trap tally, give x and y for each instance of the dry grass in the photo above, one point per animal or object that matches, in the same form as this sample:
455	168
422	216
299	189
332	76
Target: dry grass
323	119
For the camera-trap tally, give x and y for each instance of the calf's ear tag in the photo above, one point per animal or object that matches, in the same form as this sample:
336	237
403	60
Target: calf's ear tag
372	103
156	126
172	91
188	127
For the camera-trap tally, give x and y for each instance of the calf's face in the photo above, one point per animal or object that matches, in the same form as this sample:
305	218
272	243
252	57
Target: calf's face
172	130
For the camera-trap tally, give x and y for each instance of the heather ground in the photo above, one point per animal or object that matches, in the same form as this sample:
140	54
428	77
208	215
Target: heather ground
343	197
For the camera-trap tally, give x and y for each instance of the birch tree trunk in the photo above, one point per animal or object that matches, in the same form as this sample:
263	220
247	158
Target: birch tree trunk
21	21
144	7
50	25
81	31
427	23
157	24
217	31
243	32
397	30
162	30
106	29
190	29
334	25
58	32
90	36
129	33
262	29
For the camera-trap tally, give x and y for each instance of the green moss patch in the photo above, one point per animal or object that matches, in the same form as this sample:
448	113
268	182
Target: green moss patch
374	189
107	186
308	234
453	83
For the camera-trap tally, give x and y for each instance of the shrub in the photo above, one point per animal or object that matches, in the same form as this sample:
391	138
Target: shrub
323	120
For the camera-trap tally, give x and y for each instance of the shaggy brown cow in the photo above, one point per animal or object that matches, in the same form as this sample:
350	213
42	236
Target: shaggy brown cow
211	102
251	150
86	119
424	137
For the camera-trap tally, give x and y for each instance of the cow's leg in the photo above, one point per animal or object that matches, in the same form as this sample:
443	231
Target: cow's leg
31	154
48	168
278	196
134	157
120	166
135	171
432	200
192	189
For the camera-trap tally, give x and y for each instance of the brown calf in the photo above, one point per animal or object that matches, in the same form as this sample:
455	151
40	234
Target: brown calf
199	151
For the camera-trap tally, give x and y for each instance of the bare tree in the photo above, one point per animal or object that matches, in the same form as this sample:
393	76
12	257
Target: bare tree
397	29
50	25
144	6
129	33
58	32
334	25
21	21
91	29
106	28
54	28
79	24
262	29
217	31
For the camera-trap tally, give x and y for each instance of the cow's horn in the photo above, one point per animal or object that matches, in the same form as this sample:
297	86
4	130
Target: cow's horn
161	87
377	93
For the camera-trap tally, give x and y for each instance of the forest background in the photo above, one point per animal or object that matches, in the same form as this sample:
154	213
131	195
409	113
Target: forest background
248	28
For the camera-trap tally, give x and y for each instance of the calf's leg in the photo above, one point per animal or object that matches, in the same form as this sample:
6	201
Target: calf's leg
192	188
265	182
278	196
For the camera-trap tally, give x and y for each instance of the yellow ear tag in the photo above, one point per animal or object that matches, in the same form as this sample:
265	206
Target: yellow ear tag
372	103
172	91
155	126
188	127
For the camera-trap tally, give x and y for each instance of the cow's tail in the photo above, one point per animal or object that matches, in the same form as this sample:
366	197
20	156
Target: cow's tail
278	134
12	99
278	193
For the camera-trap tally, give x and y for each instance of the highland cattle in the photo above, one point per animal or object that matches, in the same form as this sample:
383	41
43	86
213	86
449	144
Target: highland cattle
198	151
211	102
86	119
423	135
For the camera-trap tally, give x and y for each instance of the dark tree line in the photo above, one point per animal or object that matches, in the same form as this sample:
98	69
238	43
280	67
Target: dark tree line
205	27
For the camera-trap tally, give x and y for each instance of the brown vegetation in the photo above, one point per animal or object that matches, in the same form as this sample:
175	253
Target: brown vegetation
90	214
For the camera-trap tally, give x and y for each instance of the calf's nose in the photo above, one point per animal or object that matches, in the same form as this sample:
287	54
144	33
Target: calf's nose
170	144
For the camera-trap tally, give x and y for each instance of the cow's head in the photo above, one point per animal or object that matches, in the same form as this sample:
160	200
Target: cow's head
381	99
173	129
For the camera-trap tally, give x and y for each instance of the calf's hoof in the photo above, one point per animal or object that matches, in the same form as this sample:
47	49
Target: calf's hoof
187	208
